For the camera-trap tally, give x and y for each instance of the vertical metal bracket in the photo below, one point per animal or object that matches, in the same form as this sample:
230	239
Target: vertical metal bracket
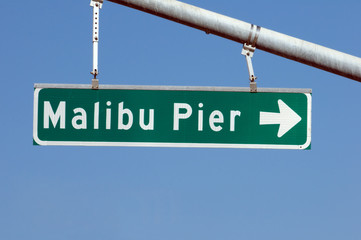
97	5
248	50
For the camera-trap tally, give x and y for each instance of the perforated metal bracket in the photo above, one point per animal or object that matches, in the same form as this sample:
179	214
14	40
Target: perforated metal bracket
97	5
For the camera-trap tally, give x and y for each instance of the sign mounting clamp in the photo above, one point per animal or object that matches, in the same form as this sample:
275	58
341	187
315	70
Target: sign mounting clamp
248	50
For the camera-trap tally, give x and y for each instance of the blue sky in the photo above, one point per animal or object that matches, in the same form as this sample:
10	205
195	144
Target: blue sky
170	193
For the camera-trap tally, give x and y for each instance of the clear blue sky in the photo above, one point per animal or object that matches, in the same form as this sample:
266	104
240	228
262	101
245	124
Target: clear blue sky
168	193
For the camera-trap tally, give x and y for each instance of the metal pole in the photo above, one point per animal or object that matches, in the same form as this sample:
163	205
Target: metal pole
270	41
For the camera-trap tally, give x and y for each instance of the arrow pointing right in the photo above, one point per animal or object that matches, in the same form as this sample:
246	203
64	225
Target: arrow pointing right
286	118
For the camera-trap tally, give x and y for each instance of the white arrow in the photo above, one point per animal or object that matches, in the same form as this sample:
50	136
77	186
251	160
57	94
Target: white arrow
286	118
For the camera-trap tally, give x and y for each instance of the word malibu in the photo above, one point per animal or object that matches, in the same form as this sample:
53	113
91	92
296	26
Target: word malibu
181	111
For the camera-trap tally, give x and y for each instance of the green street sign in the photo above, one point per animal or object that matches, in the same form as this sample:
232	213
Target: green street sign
160	116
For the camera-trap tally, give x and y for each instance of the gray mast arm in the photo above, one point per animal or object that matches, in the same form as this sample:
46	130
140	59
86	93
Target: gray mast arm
270	41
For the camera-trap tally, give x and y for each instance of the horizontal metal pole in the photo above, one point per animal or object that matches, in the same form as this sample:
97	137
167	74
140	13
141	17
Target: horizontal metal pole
270	41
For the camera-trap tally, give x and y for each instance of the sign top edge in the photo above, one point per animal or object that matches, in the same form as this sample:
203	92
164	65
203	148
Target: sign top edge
179	88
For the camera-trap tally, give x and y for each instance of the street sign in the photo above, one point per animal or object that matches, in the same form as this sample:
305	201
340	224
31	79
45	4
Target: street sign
162	116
